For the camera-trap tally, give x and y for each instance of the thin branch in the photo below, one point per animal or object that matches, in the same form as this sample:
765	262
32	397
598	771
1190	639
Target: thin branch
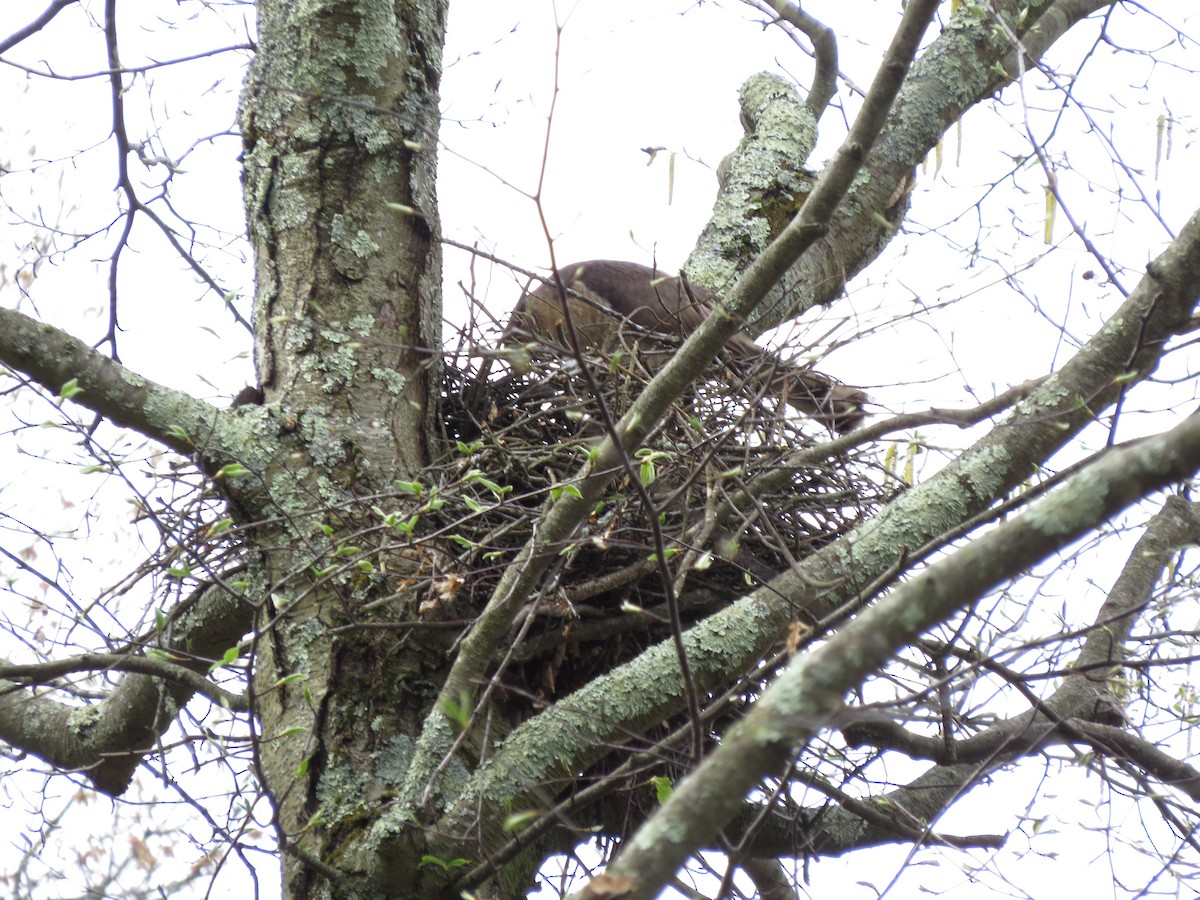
127	70
825	53
1146	755
35	26
43	673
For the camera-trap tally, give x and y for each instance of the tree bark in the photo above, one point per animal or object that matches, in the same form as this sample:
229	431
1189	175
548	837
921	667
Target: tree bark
340	120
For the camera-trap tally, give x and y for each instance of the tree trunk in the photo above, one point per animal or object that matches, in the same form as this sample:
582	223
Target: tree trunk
340	117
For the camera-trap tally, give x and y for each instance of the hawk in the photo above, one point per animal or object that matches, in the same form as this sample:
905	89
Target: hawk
603	294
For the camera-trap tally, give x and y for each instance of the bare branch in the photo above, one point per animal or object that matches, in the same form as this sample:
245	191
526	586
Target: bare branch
108	740
825	52
44	673
53	358
36	25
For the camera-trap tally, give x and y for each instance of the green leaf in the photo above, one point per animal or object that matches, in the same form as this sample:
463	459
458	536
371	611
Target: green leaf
889	458
646	472
662	787
228	658
233	470
571	490
495	488
458	711
177	432
219	527
70	389
412	487
516	820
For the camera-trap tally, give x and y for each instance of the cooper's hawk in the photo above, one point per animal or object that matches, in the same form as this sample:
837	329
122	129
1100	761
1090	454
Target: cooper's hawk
612	292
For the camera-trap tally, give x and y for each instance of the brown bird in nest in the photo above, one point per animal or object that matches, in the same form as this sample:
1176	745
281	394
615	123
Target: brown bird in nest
603	294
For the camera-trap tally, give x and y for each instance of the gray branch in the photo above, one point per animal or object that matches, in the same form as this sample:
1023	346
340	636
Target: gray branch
961	68
107	740
811	690
53	358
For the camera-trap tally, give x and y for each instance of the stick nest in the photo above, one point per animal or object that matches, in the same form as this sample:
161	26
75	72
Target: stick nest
731	506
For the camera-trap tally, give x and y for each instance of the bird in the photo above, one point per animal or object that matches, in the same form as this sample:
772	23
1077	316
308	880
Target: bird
603	294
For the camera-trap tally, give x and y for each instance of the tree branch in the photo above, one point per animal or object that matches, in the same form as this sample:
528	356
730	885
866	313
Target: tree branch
810	691
107	740
963	55
29	674
825	51
35	26
52	358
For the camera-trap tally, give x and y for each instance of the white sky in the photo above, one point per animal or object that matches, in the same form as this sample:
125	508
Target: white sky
632	75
